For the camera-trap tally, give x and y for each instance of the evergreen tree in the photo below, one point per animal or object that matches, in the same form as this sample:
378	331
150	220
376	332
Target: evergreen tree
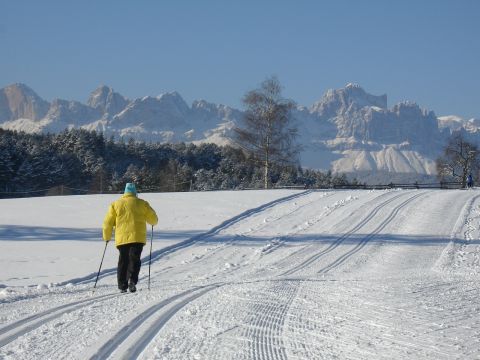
6	168
83	161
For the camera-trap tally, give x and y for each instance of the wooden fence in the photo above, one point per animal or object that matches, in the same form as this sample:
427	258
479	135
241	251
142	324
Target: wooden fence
439	185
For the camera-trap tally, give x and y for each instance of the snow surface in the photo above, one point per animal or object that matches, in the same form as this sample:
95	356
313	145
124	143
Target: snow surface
273	274
388	159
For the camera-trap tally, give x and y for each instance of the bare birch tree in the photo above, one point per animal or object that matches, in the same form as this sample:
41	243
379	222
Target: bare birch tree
459	159
267	131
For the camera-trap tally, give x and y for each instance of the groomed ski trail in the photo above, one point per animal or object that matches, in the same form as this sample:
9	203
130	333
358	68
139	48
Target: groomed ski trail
383	296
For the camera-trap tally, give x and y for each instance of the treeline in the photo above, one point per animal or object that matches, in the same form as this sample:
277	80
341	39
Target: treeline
80	161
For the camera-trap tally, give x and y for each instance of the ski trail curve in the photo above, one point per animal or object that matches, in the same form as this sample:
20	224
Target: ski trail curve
342	238
146	336
21	327
262	224
459	237
367	238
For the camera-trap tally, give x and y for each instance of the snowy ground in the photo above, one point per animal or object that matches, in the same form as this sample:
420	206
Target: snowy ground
248	275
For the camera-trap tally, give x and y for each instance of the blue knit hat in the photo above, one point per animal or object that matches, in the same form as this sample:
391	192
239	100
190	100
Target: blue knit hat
130	188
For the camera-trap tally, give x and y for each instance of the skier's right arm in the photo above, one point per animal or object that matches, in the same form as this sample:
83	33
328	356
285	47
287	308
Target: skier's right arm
109	223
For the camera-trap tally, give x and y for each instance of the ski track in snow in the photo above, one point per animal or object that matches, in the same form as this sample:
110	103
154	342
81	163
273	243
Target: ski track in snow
365	240
342	238
266	319
18	328
132	327
391	298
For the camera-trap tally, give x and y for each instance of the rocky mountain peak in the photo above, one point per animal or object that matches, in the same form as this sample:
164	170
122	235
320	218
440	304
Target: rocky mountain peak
411	109
353	86
99	95
202	104
350	98
109	102
174	101
167	110
20	88
72	112
18	101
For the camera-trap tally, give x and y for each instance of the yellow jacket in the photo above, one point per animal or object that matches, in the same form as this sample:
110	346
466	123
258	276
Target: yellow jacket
128	215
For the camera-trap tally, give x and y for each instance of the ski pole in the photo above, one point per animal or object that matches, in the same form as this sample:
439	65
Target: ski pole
150	261
101	262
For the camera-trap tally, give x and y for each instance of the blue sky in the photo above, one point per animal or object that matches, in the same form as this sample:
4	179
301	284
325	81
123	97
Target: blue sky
423	51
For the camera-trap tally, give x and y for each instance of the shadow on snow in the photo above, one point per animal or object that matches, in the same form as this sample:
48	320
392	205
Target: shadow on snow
42	233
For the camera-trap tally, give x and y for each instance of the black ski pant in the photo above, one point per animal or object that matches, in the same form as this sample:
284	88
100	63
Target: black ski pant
128	264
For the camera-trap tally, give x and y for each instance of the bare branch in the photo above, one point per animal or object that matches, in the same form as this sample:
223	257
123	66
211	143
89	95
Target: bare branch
460	159
267	130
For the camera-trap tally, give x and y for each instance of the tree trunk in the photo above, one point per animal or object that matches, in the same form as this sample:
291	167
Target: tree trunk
267	162
464	175
266	175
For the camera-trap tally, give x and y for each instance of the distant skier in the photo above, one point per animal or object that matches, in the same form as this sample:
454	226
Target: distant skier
469	181
129	215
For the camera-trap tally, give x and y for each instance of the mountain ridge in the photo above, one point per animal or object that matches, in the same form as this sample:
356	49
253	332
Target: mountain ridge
347	130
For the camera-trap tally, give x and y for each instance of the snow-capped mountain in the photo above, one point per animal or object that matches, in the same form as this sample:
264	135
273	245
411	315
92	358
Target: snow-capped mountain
18	101
107	101
454	123
353	131
347	130
164	118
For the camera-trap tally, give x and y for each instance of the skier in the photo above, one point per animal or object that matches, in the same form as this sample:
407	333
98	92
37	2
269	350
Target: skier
469	181
129	215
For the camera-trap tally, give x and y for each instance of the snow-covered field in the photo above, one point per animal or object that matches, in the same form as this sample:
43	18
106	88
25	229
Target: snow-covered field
248	275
